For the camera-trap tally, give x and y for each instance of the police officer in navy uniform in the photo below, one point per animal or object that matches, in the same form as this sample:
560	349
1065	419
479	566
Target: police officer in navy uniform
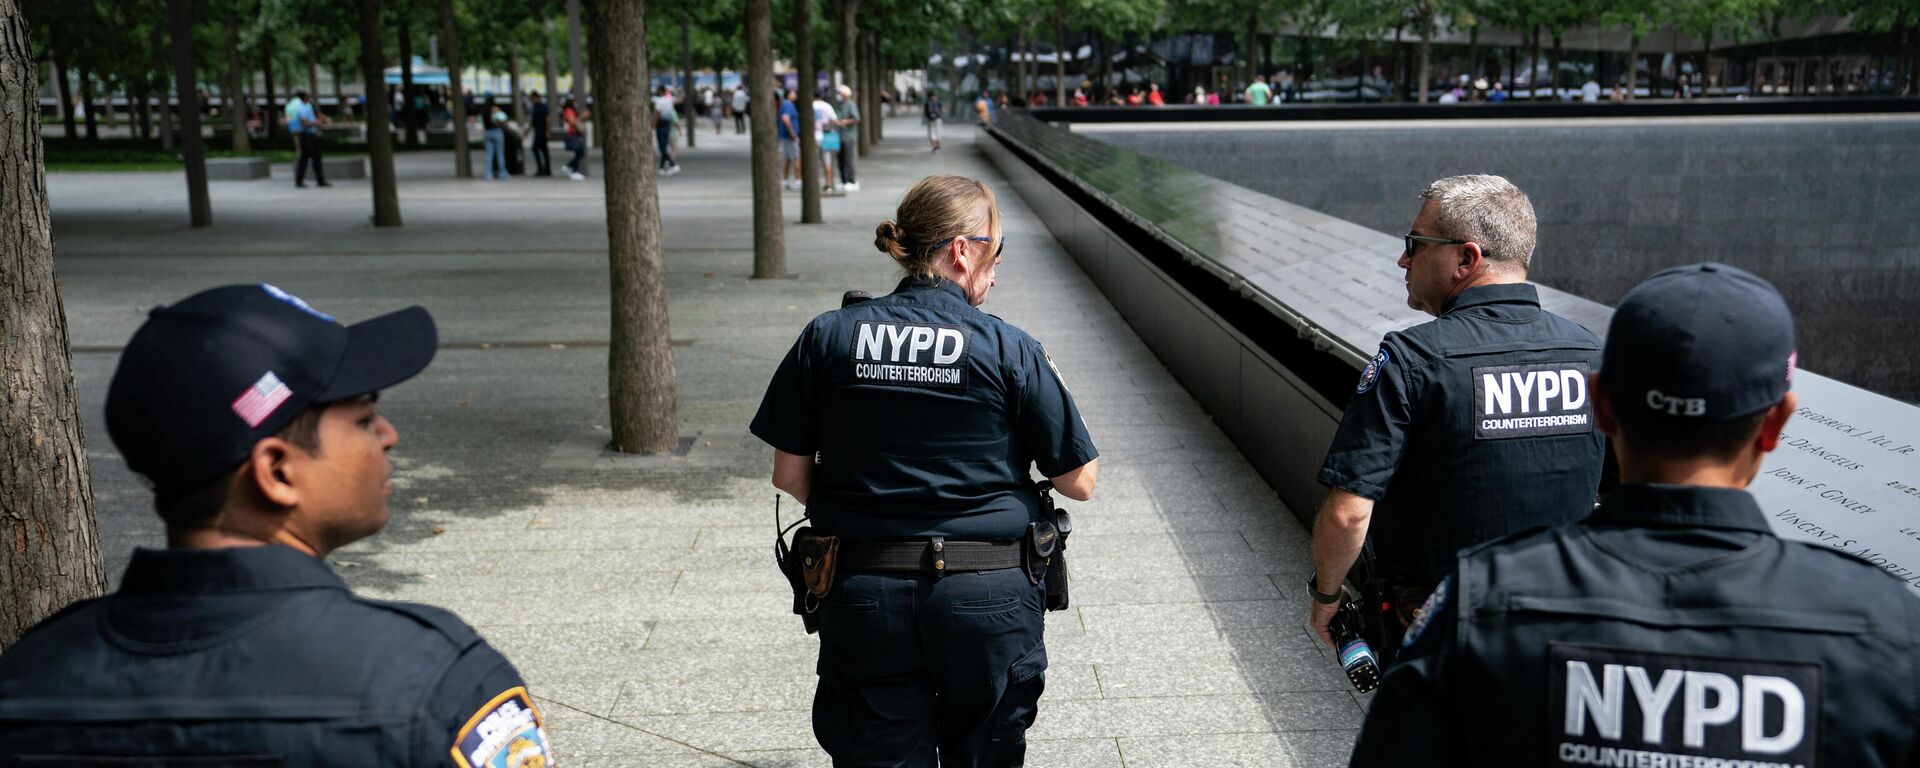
252	416
1672	627
925	415
1465	428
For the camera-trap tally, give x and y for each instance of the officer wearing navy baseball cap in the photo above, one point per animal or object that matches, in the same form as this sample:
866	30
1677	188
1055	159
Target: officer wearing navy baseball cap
1672	627
252	416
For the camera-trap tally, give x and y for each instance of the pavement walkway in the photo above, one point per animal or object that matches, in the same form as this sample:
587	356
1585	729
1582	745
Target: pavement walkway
637	595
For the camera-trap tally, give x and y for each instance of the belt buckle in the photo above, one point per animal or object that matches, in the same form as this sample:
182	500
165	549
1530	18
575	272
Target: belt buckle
939	547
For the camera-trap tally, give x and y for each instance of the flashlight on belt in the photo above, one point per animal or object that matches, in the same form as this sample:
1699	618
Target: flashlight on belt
1356	657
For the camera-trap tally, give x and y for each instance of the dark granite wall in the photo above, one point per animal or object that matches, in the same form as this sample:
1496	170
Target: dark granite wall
1826	208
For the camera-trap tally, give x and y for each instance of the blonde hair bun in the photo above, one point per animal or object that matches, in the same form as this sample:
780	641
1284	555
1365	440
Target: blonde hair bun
886	238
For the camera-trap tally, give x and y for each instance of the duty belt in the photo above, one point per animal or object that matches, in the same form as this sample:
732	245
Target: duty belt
935	556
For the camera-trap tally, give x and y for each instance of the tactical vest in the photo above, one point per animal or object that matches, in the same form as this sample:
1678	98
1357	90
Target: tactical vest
1781	653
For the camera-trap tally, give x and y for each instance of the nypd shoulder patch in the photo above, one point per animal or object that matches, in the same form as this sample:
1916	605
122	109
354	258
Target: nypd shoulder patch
506	733
1371	375
1424	616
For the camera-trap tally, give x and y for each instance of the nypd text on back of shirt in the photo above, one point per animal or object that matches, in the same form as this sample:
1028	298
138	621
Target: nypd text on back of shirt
1531	400
910	354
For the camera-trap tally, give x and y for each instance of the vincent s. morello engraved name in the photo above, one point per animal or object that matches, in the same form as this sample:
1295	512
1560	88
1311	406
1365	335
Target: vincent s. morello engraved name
1827	492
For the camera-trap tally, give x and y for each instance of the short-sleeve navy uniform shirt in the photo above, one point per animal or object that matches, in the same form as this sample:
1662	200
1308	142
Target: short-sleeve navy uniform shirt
1470	427
926	415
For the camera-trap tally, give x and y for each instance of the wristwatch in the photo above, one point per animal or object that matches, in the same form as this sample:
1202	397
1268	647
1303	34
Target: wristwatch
1313	588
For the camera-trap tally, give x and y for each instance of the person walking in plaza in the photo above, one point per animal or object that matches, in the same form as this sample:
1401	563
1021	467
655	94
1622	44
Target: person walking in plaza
931	631
1673	626
826	125
742	101
304	123
934	113
539	115
849	113
492	119
789	125
253	418
576	139
1259	94
1433	453
983	109
716	108
665	117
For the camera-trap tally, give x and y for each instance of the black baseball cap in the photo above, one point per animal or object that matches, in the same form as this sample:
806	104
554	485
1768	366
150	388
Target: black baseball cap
1704	342
207	377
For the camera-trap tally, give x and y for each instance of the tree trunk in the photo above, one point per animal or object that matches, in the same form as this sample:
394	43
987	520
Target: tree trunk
157	42
1533	67
851	52
1633	64
686	76
386	195
549	61
513	84
192	149
1913	60
1020	67
66	94
52	552
803	100
230	96
450	37
769	229
1513	64
1060	55
1106	71
1253	41
86	103
313	74
1426	57
266	66
640	371
872	119
578	68
409	117
1553	68
339	95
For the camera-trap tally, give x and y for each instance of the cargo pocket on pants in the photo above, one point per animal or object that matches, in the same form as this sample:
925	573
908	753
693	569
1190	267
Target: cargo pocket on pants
1019	703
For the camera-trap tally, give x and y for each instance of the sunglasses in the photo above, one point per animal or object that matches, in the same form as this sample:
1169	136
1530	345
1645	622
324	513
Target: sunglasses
977	239
1411	238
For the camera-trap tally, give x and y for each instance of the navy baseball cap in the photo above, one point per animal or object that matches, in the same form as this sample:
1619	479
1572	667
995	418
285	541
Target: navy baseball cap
1705	342
206	378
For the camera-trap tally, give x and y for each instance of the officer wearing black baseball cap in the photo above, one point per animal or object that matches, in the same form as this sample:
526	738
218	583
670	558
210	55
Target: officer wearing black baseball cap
252	416
1672	627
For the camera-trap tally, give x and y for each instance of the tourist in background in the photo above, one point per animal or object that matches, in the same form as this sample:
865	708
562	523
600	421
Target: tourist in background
1153	95
576	139
664	118
933	112
741	102
789	124
1259	94
849	114
304	124
491	118
826	125
543	165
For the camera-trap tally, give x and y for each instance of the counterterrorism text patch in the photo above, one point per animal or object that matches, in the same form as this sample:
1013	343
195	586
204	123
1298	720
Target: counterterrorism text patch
1618	706
910	354
1531	400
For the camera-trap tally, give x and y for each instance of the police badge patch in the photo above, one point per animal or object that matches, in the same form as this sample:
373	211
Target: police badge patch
506	733
1424	616
1371	375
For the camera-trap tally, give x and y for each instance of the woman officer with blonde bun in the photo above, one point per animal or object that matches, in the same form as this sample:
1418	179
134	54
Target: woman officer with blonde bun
908	426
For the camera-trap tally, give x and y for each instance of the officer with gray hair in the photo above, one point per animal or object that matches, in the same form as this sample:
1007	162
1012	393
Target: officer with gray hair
1463	429
1671	627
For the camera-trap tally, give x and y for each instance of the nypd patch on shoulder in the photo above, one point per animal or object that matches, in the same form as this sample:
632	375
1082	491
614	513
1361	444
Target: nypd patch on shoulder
1371	375
506	733
1424	616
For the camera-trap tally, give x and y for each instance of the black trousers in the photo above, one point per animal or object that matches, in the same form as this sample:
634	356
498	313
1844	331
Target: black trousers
309	153
844	158
542	164
917	671
739	121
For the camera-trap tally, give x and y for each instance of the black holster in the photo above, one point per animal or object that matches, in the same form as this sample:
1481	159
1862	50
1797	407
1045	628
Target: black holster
809	566
1051	564
1379	614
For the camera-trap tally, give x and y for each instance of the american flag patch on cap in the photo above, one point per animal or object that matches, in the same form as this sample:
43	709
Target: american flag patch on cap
260	400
